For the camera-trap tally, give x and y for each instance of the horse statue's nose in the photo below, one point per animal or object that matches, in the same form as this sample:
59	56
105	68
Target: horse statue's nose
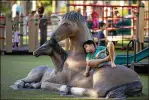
35	53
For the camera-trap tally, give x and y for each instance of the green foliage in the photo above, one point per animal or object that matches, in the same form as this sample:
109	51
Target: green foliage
47	4
48	9
4	9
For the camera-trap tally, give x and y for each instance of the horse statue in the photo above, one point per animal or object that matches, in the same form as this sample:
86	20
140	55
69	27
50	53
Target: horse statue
40	74
67	76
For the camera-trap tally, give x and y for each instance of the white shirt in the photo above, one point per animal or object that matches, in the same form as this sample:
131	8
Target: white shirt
14	8
16	37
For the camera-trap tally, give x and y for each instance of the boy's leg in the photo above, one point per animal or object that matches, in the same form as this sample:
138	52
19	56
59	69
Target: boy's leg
111	50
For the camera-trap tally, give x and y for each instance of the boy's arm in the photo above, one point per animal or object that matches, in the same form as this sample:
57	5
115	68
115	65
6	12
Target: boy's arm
97	55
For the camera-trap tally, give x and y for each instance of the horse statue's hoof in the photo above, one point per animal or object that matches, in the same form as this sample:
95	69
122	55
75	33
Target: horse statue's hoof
62	93
27	85
17	85
65	90
36	85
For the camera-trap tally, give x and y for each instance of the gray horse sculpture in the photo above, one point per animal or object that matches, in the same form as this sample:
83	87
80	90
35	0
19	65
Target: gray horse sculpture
68	73
40	74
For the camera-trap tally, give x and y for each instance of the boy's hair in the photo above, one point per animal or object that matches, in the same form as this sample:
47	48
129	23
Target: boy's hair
88	42
101	24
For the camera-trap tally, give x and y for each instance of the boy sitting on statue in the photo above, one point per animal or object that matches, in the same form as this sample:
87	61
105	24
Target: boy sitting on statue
97	56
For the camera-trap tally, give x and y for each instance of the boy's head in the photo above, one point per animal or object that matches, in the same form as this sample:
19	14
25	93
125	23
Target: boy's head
102	25
89	46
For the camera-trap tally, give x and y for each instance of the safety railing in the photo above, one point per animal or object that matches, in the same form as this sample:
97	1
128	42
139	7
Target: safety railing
134	48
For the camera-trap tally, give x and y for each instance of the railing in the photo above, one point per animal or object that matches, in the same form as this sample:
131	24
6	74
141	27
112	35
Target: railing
134	48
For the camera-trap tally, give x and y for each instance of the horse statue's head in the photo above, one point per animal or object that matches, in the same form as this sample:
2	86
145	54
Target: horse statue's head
55	51
47	48
71	24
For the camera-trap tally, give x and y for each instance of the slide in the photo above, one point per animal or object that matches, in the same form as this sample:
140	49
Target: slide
122	59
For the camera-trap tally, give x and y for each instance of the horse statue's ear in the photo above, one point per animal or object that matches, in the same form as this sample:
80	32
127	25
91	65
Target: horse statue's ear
53	40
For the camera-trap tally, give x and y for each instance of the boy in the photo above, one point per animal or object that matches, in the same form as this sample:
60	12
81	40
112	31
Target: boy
96	56
100	36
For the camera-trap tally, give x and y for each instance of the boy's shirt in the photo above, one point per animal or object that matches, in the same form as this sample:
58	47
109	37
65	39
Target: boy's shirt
90	56
101	35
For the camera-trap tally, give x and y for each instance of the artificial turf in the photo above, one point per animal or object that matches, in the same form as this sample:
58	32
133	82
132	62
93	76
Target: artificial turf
17	67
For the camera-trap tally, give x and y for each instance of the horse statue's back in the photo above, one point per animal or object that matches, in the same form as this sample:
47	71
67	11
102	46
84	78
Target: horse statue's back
107	79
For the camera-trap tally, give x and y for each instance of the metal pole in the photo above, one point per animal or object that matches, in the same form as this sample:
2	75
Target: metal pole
21	30
8	34
122	27
137	27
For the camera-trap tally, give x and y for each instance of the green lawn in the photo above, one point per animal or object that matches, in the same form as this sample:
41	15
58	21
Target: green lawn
17	67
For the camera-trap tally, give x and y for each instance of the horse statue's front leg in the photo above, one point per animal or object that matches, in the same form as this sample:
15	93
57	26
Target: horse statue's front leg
33	79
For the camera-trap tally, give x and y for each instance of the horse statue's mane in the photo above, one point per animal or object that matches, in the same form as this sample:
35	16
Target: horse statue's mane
74	17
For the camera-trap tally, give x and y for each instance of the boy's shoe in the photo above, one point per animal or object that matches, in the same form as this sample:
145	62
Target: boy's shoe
86	74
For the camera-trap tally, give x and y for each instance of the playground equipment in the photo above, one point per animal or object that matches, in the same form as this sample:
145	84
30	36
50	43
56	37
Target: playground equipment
133	60
128	59
7	34
127	27
2	30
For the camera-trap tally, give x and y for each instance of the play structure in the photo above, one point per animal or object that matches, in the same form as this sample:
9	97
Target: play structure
126	27
129	58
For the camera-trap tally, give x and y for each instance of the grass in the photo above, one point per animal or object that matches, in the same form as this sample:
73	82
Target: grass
17	67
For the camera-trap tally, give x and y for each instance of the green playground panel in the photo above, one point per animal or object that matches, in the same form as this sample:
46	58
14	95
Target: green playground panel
120	31
142	54
124	22
122	59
